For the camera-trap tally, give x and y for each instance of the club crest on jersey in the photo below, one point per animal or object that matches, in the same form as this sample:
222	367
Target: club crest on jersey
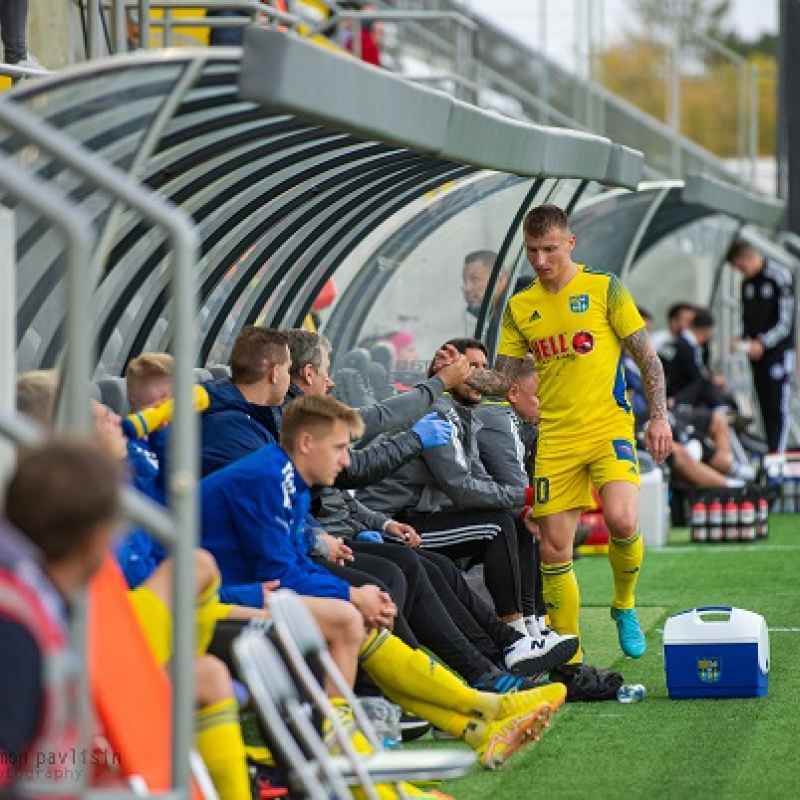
579	303
536	315
583	342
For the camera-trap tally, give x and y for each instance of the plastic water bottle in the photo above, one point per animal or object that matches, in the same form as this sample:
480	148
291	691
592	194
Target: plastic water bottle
631	693
385	718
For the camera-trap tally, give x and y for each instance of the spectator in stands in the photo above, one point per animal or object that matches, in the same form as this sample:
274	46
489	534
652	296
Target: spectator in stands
13	32
226	35
679	315
36	395
62	508
768	335
370	41
437	593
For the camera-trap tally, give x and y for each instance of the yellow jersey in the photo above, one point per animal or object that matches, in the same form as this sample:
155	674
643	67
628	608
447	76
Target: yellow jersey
575	339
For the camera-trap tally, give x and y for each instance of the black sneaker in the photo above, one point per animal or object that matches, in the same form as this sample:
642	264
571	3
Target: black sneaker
586	683
412	727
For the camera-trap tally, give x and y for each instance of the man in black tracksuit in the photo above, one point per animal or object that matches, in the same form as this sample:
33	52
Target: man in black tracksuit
768	335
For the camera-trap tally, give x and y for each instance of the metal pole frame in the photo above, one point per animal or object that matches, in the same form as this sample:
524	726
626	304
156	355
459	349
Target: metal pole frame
182	477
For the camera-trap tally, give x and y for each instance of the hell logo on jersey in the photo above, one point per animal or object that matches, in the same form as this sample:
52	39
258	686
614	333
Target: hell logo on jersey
583	342
562	346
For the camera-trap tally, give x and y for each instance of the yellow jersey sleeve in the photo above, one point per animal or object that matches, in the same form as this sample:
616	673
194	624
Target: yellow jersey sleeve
512	341
623	316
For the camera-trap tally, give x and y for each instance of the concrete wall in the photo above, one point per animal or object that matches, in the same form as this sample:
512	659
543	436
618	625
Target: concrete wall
53	32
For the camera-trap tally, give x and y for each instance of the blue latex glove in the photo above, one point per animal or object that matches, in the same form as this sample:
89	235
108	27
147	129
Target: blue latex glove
432	431
369	536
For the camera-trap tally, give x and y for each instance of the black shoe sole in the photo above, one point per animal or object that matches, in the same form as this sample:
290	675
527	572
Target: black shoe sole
558	655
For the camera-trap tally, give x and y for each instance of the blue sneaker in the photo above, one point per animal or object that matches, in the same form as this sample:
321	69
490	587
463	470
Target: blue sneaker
500	682
631	638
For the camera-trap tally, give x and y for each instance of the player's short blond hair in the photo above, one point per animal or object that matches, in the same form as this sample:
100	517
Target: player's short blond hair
36	395
317	415
145	368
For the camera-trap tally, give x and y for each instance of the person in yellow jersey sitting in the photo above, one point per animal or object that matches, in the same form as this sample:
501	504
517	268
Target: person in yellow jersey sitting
574	320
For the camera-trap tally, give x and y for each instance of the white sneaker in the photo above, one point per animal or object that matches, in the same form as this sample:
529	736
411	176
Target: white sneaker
31	62
531	655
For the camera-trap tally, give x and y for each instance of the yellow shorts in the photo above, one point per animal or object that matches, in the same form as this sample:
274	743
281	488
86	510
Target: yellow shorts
156	621
565	472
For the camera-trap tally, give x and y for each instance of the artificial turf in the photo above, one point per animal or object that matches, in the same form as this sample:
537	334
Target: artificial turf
662	748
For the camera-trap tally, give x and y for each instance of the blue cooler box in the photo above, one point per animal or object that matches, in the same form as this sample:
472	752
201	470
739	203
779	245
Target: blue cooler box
716	651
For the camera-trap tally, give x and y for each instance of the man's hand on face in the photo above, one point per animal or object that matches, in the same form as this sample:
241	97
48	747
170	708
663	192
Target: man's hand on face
455	367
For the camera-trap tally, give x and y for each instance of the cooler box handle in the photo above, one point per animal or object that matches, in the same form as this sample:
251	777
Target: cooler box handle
703	610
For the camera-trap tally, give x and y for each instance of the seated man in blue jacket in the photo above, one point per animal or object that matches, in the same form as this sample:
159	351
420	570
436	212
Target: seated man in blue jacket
254	514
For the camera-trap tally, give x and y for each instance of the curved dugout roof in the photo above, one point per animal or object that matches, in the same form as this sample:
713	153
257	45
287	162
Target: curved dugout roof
617	229
279	201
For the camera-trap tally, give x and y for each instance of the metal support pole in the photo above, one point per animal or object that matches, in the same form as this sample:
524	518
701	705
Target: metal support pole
119	27
544	87
674	109
144	24
77	230
94	30
463	62
182	479
8	328
755	98
167	12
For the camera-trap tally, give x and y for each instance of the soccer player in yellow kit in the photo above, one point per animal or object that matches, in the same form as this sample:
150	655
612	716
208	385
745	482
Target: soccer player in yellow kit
575	320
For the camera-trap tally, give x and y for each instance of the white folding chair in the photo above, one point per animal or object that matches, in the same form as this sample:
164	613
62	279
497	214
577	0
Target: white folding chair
295	745
302	646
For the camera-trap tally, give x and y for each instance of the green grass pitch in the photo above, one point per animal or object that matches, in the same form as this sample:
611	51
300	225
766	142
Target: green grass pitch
662	748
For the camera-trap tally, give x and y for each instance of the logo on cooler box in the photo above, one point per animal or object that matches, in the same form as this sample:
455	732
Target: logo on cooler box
709	670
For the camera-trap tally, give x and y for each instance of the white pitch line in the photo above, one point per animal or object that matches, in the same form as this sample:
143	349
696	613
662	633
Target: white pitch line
784	630
723	547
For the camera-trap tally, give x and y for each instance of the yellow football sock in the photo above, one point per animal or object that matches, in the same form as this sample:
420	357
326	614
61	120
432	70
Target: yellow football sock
625	557
563	600
208	611
405	674
459	725
218	737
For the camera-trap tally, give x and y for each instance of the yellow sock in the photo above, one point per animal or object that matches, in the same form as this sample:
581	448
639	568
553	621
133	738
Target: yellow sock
625	557
563	599
208	611
404	674
455	723
218	737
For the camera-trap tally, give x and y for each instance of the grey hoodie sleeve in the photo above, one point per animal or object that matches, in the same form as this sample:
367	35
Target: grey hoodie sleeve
379	460
500	446
371	520
450	468
401	411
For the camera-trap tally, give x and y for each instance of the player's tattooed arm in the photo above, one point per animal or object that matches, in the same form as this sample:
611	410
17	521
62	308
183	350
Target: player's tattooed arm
496	382
642	352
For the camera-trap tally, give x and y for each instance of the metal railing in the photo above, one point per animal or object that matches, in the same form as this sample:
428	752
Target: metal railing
177	528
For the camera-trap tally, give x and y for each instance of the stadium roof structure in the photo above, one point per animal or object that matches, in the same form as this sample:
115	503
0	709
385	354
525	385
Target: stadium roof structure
621	227
286	156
